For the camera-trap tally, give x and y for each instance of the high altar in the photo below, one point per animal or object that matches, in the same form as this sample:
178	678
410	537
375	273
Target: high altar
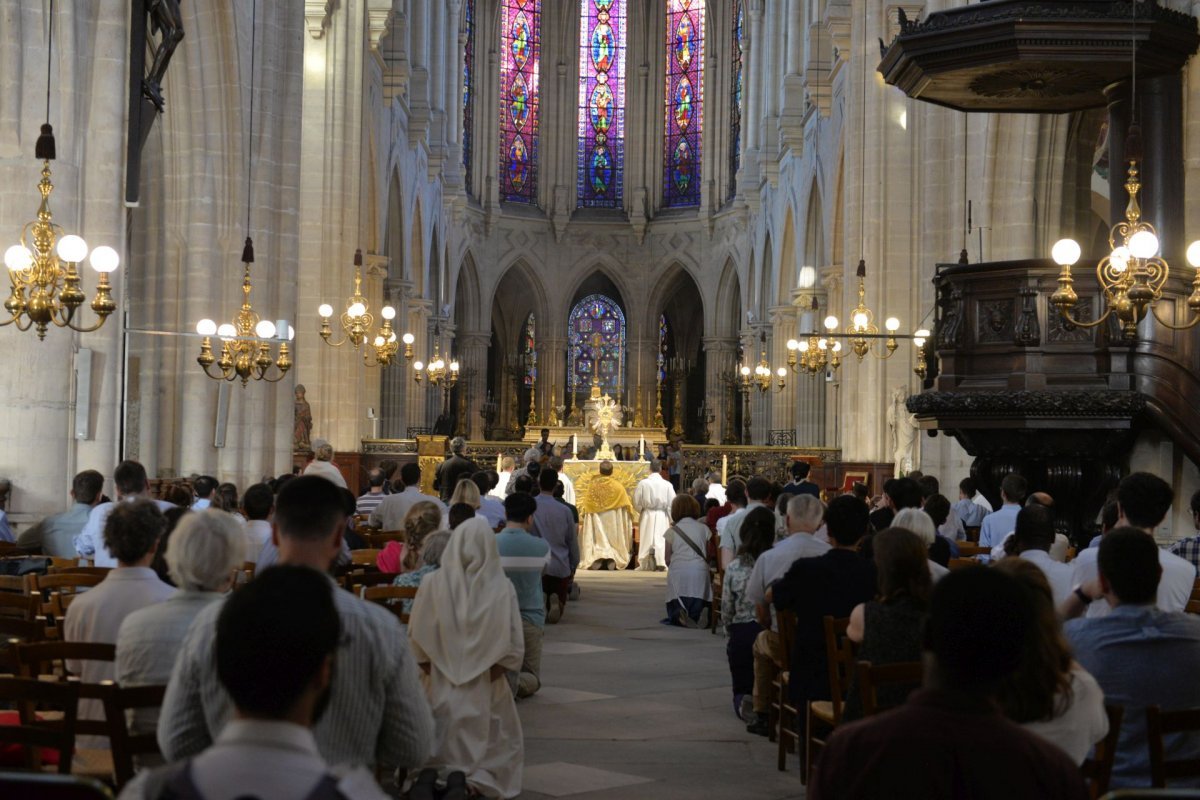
602	416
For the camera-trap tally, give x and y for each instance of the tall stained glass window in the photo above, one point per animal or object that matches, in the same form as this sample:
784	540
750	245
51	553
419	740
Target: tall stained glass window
468	87
601	159
520	51
735	95
684	102
596	343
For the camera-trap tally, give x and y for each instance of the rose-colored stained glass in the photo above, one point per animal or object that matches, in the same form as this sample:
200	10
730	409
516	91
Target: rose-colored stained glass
684	102
520	56
735	111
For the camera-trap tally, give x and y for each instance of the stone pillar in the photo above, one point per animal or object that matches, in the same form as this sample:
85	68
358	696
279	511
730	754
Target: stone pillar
721	357
473	355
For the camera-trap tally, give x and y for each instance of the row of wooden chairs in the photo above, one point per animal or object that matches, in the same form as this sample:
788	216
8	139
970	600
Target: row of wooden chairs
46	696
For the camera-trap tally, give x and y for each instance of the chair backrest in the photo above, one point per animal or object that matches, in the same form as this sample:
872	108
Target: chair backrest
52	787
366	556
1097	769
360	579
18	606
62	584
839	654
380	539
29	694
78	570
960	563
972	532
389	597
125	744
872	676
14	584
49	660
968	549
1159	723
785	621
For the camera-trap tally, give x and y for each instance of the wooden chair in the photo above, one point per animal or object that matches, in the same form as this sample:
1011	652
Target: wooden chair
65	585
972	532
364	579
34	734
14	584
872	676
126	746
1159	723
718	589
379	539
389	597
825	715
969	549
961	563
18	606
1097	770
365	557
52	787
785	713
78	570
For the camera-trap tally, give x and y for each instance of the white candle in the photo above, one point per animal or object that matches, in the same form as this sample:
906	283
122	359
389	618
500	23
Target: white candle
575	445
641	445
724	469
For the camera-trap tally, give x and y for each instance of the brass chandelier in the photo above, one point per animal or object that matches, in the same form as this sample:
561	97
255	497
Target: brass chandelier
760	376
356	320
814	354
44	268
862	331
1132	275
246	342
437	371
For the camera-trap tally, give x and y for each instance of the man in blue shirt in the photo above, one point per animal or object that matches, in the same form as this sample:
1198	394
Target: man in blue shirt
968	509
523	558
1140	655
554	522
1003	521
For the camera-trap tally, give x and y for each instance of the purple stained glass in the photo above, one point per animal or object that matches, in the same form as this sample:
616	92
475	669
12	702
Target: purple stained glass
735	112
601	120
595	342
468	88
684	117
520	56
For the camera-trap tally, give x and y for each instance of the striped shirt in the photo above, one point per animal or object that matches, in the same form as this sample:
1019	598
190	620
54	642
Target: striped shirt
369	502
523	557
378	713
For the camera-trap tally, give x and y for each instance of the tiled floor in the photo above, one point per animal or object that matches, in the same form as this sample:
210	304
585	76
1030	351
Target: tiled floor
632	709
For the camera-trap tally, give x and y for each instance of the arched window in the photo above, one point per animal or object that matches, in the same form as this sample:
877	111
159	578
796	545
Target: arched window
664	334
468	87
596	343
735	95
601	158
684	102
520	51
529	348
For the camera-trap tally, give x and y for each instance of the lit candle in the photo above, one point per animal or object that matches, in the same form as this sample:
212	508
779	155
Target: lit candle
641	445
575	446
724	470
499	460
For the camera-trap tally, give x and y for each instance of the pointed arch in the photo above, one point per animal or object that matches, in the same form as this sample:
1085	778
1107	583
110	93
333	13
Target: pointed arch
814	240
787	260
727	320
467	295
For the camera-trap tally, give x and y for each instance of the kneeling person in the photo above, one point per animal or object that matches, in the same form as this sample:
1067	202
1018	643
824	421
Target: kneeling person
523	557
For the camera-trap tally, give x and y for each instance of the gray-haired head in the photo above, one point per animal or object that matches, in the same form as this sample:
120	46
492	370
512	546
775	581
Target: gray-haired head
204	549
457	444
433	547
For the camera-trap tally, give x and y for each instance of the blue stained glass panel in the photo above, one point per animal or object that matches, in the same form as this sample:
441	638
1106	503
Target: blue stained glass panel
520	56
684	103
595	343
601	118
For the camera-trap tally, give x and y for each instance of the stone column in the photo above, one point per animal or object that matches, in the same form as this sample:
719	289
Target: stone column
721	356
472	355
398	375
783	405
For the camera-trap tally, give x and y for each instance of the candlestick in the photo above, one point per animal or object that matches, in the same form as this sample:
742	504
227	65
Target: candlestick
499	461
724	470
641	446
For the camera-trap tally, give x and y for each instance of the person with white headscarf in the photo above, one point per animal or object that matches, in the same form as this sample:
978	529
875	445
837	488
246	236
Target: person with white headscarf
465	632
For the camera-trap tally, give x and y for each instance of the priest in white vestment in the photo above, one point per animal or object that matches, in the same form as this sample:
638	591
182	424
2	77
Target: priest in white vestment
466	633
652	500
607	520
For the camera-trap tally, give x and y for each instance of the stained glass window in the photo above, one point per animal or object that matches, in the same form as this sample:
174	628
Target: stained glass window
663	333
529	348
601	158
735	111
684	102
468	87
520	51
596	344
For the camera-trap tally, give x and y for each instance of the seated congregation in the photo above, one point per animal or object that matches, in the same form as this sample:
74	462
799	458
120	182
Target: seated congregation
277	646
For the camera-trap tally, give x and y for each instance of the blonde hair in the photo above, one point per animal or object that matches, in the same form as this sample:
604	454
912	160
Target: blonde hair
421	520
466	492
324	453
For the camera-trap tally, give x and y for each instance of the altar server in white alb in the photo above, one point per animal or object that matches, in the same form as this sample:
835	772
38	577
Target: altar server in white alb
652	500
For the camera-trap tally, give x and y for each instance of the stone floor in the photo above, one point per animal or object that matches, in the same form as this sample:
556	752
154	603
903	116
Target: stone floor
630	708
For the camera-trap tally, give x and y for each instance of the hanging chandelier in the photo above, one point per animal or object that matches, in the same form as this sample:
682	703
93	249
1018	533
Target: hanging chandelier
356	321
760	376
1132	275
862	331
919	338
814	354
437	371
246	342
47	287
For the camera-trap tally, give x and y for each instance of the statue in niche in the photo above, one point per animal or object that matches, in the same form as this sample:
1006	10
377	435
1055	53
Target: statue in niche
302	426
902	427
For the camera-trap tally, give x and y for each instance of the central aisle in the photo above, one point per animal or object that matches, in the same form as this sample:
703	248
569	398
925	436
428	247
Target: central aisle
633	709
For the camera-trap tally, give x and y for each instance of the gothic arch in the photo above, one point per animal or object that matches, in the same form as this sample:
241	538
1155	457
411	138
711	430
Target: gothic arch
602	269
814	232
415	269
393	236
787	260
728	317
518	292
467	296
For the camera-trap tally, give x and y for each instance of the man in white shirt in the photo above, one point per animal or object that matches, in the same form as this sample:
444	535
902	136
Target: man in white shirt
1000	523
322	466
1033	538
132	484
507	464
389	515
652	500
1143	501
203	488
758	489
490	508
715	490
131	533
276	645
804	515
257	504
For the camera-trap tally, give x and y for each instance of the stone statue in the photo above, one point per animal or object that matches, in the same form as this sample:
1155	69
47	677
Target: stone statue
302	426
903	429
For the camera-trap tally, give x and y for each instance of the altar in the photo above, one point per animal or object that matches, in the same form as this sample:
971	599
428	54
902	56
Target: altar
566	436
